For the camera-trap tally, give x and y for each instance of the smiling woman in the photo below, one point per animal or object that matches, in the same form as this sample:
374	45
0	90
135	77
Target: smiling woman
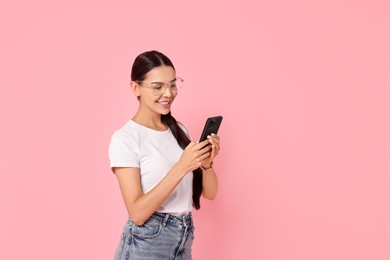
154	90
161	173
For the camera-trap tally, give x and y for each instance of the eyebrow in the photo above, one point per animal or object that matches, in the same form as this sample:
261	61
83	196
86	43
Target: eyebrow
163	82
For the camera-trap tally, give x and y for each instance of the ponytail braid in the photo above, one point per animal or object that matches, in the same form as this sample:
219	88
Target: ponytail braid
183	141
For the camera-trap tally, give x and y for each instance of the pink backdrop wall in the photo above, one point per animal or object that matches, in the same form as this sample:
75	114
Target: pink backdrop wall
304	90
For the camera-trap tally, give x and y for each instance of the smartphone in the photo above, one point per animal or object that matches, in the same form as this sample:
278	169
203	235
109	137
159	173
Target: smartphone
211	127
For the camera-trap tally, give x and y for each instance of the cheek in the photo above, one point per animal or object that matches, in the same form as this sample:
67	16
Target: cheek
146	99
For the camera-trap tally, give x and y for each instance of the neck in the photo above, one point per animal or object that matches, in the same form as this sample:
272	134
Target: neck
149	120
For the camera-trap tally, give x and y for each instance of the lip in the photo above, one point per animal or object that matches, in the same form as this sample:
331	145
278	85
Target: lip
164	103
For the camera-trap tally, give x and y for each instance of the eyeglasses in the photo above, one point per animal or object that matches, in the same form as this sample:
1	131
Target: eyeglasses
159	88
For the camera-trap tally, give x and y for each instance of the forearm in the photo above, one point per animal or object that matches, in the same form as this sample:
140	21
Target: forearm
145	205
210	184
140	205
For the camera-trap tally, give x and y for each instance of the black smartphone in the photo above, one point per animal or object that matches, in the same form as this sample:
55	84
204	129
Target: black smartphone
211	127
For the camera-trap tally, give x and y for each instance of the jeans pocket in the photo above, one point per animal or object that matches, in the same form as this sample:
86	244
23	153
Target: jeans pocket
150	229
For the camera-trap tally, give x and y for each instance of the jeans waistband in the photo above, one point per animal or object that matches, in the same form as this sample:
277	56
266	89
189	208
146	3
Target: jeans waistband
165	218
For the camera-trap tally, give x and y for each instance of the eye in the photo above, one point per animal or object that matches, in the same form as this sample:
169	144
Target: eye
157	85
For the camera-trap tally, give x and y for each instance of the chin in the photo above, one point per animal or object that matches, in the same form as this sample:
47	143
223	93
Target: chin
165	112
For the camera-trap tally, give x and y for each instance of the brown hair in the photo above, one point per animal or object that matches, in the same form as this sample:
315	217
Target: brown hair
141	66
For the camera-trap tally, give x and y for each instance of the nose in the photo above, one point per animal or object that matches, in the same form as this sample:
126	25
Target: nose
167	91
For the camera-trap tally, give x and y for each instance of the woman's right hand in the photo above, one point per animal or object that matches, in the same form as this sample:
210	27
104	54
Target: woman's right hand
194	155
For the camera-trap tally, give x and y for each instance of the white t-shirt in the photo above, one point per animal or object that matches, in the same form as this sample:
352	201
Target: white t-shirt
155	153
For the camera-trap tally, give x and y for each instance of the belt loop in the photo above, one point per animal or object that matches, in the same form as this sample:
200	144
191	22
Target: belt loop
165	220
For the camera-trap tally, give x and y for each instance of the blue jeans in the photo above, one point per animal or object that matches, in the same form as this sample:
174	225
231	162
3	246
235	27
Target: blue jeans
161	237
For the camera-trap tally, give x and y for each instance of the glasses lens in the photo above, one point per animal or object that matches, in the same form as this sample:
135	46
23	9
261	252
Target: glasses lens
159	88
177	84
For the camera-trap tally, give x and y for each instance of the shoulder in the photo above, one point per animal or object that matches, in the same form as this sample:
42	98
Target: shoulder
128	133
124	147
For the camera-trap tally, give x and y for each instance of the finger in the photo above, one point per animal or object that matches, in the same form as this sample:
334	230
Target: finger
213	138
191	144
213	152
205	149
202	144
204	156
216	136
216	143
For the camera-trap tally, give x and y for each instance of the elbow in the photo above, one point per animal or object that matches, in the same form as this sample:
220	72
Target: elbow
209	196
139	222
137	219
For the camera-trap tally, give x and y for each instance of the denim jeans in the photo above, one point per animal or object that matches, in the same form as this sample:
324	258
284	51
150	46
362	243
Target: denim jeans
161	237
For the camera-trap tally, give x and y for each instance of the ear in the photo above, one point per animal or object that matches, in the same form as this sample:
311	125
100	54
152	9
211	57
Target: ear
136	88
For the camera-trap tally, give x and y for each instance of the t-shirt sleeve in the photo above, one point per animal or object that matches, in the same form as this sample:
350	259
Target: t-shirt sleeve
123	151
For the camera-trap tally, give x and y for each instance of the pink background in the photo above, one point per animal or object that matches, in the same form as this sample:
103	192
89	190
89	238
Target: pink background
304	90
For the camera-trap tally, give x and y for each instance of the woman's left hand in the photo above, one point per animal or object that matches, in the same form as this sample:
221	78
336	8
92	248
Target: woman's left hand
215	147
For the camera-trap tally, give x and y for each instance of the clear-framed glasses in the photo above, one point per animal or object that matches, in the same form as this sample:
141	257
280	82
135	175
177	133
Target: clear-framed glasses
159	88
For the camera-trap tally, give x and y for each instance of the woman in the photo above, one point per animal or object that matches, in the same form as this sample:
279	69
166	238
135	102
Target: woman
161	173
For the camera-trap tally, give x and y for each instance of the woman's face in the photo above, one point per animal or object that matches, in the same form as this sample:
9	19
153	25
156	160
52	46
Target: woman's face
154	92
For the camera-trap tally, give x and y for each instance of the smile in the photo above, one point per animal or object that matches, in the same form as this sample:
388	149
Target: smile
164	102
